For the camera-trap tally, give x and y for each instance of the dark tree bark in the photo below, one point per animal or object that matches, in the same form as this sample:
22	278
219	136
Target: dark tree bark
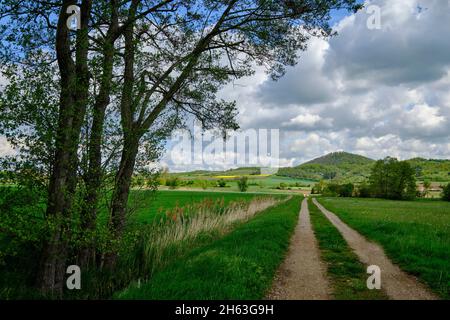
63	179
94	175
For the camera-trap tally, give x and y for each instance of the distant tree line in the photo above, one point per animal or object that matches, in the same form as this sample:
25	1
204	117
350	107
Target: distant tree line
389	179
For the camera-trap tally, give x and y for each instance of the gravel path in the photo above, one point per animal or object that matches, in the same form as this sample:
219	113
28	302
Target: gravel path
397	284
302	276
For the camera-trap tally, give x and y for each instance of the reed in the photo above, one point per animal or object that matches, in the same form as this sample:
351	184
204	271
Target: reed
178	228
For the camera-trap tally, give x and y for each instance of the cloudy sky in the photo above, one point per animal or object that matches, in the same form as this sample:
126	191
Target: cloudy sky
375	92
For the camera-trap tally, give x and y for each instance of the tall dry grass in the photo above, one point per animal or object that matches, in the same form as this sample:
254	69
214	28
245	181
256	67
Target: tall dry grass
170	236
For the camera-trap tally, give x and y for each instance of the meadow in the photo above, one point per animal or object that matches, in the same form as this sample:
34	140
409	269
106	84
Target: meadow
414	234
165	226
151	204
257	183
240	265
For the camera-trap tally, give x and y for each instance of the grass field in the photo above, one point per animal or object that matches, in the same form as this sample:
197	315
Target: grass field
240	265
414	234
347	274
257	183
149	204
150	253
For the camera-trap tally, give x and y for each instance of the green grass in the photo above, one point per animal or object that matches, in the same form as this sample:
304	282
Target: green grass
414	234
241	265
257	184
149	204
347	274
18	272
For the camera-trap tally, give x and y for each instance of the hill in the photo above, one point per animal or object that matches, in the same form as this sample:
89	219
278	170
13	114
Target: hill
341	158
339	166
348	167
432	170
342	166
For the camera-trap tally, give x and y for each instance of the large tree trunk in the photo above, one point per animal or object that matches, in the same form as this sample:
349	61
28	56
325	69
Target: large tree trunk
94	175
63	180
120	196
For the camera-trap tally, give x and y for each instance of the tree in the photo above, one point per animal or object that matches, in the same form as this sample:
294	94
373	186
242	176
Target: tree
393	179
346	190
426	188
243	184
364	190
446	192
156	63
221	183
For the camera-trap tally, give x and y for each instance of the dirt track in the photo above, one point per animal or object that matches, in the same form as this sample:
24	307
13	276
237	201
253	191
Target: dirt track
302	276
397	284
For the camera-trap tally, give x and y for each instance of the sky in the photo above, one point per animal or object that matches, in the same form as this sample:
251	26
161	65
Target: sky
375	92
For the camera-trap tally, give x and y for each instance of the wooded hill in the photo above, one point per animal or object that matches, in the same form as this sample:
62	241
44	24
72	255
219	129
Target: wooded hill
344	166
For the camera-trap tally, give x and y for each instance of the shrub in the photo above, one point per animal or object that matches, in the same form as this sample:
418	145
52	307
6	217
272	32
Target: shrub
243	184
346	190
282	186
364	191
319	187
446	192
331	190
222	183
203	184
172	183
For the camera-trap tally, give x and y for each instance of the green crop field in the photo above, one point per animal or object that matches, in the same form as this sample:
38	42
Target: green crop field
414	234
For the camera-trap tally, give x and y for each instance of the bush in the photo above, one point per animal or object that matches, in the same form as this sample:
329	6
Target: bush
446	193
203	184
346	190
222	183
243	184
331	190
364	191
172	183
318	187
282	186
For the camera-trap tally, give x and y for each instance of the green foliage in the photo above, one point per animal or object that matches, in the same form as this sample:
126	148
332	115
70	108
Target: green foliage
339	158
319	187
331	190
243	184
346	190
221	183
21	220
431	170
446	192
393	179
363	190
282	186
334	189
347	167
172	183
340	165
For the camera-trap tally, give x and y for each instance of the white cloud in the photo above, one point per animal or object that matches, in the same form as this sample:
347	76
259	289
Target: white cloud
5	148
374	92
